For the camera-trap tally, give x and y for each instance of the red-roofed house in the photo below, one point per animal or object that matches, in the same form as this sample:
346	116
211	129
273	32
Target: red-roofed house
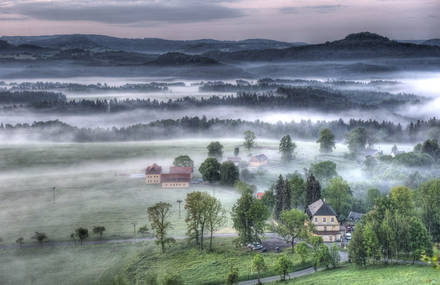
153	174
176	180
260	195
181	170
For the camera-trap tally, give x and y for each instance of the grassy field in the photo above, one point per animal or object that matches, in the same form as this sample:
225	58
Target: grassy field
383	275
200	268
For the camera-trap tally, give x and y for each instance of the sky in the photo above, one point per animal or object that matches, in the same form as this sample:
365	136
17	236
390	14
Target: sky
310	21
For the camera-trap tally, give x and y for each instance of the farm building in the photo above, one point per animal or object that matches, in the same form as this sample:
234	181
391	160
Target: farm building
176	180
153	174
323	217
258	160
178	177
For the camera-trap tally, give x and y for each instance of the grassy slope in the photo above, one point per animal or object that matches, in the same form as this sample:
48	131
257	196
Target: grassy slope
383	275
200	268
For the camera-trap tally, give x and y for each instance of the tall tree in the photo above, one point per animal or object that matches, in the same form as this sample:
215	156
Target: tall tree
159	215
324	171
356	140
82	234
326	140
229	173
372	195
429	201
283	265
313	190
193	207
99	230
402	197
215	149
338	195
249	216
183	160
210	170
249	139
298	190
215	217
282	196
286	148
292	226
258	265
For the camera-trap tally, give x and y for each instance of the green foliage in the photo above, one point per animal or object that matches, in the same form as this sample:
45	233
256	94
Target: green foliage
81	234
298	190
313	190
293	225
158	216
335	258
302	250
183	160
229	173
326	141
143	230
429	200
259	265
282	196
338	195
284	265
210	170
372	195
172	279
268	200
321	256
215	149
151	279
286	148
324	171
232	277
413	159
402	198
432	148
249	140
356	140
40	237
248	217
244	187
99	230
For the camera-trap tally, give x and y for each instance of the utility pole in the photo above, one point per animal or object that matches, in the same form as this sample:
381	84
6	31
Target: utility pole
180	202
134	227
53	194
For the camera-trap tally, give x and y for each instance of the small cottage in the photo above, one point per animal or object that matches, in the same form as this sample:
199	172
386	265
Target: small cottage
323	217
153	174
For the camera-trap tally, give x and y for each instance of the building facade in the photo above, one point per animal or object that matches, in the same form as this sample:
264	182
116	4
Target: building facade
153	174
324	219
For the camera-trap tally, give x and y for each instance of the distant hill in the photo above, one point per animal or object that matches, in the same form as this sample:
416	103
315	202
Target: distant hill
432	42
180	59
146	45
355	46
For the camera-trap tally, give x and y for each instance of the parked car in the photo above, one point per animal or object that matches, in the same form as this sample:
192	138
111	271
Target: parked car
348	236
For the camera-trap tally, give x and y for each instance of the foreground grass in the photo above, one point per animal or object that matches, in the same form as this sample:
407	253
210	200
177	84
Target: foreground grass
374	275
200	268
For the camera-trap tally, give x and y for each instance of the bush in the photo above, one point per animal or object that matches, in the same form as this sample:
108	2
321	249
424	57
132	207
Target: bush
172	279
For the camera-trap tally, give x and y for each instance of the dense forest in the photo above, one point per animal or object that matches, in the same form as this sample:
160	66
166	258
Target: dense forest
195	126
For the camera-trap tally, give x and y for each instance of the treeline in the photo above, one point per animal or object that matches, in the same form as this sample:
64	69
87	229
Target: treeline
31	97
193	126
284	98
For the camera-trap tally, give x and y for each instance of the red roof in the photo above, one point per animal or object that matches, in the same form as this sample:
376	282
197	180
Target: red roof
176	177
180	170
260	195
153	169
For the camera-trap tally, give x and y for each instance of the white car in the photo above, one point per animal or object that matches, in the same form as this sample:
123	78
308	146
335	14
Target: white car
348	236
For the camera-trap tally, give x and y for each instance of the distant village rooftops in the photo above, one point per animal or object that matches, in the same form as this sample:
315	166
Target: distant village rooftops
176	177
320	208
181	170
153	169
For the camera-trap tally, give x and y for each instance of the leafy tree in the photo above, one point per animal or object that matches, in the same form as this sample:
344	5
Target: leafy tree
258	265
335	258
210	170
248	217
232	277
143	230
313	190
413	159
268	200
81	234
292	226
229	173
372	195
151	278
321	257
324	171
432	148
283	265
215	217
371	244
402	197
20	241
183	160
249	140
356	140
429	201
419	240
286	148
326	141
158	216
298	190
302	250
172	279
356	247
243	187
99	230
40	237
195	207
215	149
338	195
414	180
236	151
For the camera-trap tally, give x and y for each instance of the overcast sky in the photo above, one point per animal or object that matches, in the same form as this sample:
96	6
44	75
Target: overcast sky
287	20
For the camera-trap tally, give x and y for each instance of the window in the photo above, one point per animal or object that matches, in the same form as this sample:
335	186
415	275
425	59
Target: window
324	220
325	228
316	219
331	238
332	219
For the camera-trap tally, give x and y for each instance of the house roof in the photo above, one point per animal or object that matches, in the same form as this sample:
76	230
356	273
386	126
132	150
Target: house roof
181	170
176	177
260	195
153	169
320	208
354	216
259	158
